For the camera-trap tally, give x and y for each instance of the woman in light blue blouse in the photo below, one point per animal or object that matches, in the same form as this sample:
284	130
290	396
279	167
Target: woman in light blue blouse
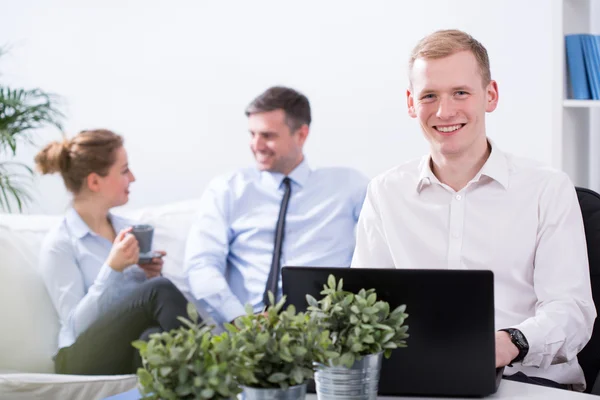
88	262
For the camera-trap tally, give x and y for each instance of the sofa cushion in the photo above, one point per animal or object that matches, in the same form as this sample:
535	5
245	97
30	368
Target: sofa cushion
29	334
55	386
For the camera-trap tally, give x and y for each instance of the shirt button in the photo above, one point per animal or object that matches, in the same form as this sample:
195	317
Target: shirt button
458	197
456	234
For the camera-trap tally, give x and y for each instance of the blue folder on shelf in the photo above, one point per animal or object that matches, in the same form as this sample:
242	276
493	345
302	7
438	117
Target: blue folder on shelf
591	57
578	76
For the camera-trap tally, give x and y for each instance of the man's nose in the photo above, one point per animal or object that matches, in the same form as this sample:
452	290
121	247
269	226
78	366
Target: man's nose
446	108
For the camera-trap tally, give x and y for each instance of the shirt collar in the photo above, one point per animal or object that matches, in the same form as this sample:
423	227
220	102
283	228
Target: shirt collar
495	167
79	228
299	175
426	175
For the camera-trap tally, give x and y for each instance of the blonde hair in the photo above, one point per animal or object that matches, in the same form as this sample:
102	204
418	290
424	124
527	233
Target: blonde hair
444	43
87	152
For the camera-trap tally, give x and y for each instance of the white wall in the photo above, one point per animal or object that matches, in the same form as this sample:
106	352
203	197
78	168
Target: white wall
174	78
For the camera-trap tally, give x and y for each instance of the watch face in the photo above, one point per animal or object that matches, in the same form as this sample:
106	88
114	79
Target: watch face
519	340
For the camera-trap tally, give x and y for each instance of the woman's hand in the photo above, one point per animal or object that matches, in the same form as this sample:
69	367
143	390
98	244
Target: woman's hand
124	252
154	268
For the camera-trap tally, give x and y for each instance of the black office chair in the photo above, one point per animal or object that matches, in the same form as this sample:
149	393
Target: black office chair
589	357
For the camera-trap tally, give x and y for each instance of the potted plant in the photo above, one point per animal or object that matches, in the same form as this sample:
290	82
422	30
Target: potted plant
187	363
22	113
275	352
361	330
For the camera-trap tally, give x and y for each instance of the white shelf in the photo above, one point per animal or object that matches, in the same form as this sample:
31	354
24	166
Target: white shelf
581	103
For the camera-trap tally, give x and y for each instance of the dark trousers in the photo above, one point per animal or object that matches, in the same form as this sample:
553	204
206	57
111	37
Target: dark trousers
105	347
521	377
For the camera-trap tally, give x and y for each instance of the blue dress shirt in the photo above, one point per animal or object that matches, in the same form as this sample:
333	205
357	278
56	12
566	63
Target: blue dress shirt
230	245
80	283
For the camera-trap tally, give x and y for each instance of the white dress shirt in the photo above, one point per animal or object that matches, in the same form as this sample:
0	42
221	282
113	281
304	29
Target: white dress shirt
516	218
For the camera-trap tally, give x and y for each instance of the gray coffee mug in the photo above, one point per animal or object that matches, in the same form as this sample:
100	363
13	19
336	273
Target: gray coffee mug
144	235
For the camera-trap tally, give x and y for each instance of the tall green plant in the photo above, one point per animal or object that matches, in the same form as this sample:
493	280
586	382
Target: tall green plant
22	113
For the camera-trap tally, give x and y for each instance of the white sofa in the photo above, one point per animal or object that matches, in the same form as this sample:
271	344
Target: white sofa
28	338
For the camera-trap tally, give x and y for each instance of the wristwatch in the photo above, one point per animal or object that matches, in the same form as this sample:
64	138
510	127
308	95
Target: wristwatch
519	340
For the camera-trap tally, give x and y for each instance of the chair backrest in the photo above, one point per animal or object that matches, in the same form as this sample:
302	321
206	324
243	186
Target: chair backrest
589	357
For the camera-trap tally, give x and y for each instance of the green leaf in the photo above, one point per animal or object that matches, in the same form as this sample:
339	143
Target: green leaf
183	390
311	301
369	310
347	359
144	377
369	339
356	348
140	345
207	393
300	351
192	313
398	310
326	303
371	299
348	299
277	377
331	282
298	375
384	327
387	336
271	299
331	355
165	371
183	374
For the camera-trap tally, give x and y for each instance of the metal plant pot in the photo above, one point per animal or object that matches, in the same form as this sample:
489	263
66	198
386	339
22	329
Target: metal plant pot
297	392
359	382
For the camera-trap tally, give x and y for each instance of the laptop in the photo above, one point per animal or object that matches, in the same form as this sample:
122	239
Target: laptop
451	349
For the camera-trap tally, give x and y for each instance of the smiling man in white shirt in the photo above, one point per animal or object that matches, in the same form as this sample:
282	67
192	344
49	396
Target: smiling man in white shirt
468	205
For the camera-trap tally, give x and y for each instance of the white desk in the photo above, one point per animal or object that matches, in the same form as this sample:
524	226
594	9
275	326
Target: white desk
507	390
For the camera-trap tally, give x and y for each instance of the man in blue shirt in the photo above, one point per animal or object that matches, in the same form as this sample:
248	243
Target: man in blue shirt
281	212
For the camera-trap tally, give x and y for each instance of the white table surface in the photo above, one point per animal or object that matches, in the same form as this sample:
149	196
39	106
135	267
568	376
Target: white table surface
507	390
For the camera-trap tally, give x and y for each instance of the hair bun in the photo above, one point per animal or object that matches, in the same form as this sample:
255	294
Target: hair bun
53	158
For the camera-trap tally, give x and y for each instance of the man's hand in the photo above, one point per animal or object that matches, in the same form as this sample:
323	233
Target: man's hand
154	268
506	351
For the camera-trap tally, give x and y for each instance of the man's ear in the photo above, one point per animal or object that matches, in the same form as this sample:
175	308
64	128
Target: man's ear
492	96
410	102
93	182
302	134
